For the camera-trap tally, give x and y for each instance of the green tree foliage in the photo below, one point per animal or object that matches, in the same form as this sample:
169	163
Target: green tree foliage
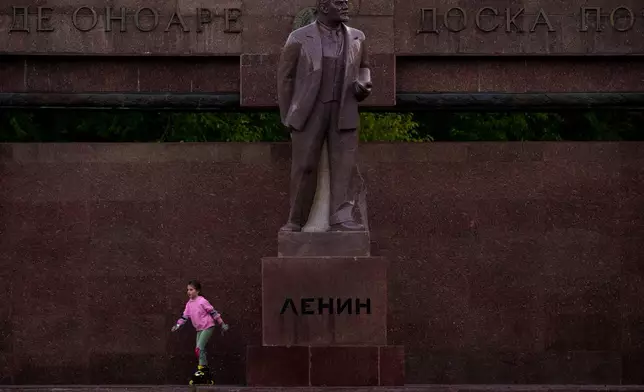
518	126
131	126
498	126
390	127
225	127
149	126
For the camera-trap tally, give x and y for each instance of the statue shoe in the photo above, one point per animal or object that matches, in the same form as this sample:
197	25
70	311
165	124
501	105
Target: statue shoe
291	227
347	226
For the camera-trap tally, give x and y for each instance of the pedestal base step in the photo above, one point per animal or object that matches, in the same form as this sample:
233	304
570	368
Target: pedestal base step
407	388
327	244
337	366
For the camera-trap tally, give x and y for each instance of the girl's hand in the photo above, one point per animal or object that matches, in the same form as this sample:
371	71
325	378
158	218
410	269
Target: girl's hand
224	328
175	328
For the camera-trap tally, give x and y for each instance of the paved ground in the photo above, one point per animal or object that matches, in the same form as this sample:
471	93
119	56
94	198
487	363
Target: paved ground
408	388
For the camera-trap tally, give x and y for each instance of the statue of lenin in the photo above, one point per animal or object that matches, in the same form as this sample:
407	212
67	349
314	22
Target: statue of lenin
323	73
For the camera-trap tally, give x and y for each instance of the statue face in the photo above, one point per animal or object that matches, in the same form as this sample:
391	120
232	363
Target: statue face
337	10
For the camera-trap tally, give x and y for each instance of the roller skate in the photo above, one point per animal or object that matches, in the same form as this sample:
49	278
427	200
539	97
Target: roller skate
201	376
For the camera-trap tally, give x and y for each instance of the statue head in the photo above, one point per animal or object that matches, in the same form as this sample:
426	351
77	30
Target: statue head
332	12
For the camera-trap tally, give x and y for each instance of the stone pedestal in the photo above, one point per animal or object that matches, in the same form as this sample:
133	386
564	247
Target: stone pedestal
324	315
318	301
331	244
330	366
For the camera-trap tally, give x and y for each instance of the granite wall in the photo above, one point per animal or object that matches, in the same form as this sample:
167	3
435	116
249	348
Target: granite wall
54	51
511	263
52	78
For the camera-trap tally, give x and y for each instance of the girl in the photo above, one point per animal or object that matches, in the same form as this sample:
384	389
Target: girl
203	317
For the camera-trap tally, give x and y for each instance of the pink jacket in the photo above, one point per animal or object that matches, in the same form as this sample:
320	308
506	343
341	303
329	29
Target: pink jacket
200	312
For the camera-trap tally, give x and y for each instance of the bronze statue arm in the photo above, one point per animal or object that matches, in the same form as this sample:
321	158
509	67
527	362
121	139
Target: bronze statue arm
286	73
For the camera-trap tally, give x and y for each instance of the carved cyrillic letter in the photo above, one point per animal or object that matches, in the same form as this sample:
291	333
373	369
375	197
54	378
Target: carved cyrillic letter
322	306
305	305
512	20
423	21
204	16
342	306
463	16
109	18
25	19
631	19
584	20
359	305
75	18
288	302
44	18
478	19
177	15
137	19
231	15
546	21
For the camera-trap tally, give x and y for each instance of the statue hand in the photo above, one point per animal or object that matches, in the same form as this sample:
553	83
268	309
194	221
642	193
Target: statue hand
362	91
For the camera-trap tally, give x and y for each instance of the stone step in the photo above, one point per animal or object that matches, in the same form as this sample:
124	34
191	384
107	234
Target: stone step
406	388
330	366
326	244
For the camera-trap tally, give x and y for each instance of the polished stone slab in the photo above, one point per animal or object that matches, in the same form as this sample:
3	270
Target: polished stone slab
329	244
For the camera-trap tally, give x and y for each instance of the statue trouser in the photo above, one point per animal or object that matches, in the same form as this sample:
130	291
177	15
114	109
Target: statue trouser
307	145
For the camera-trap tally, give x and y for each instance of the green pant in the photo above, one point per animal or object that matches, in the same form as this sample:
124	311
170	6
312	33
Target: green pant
202	341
